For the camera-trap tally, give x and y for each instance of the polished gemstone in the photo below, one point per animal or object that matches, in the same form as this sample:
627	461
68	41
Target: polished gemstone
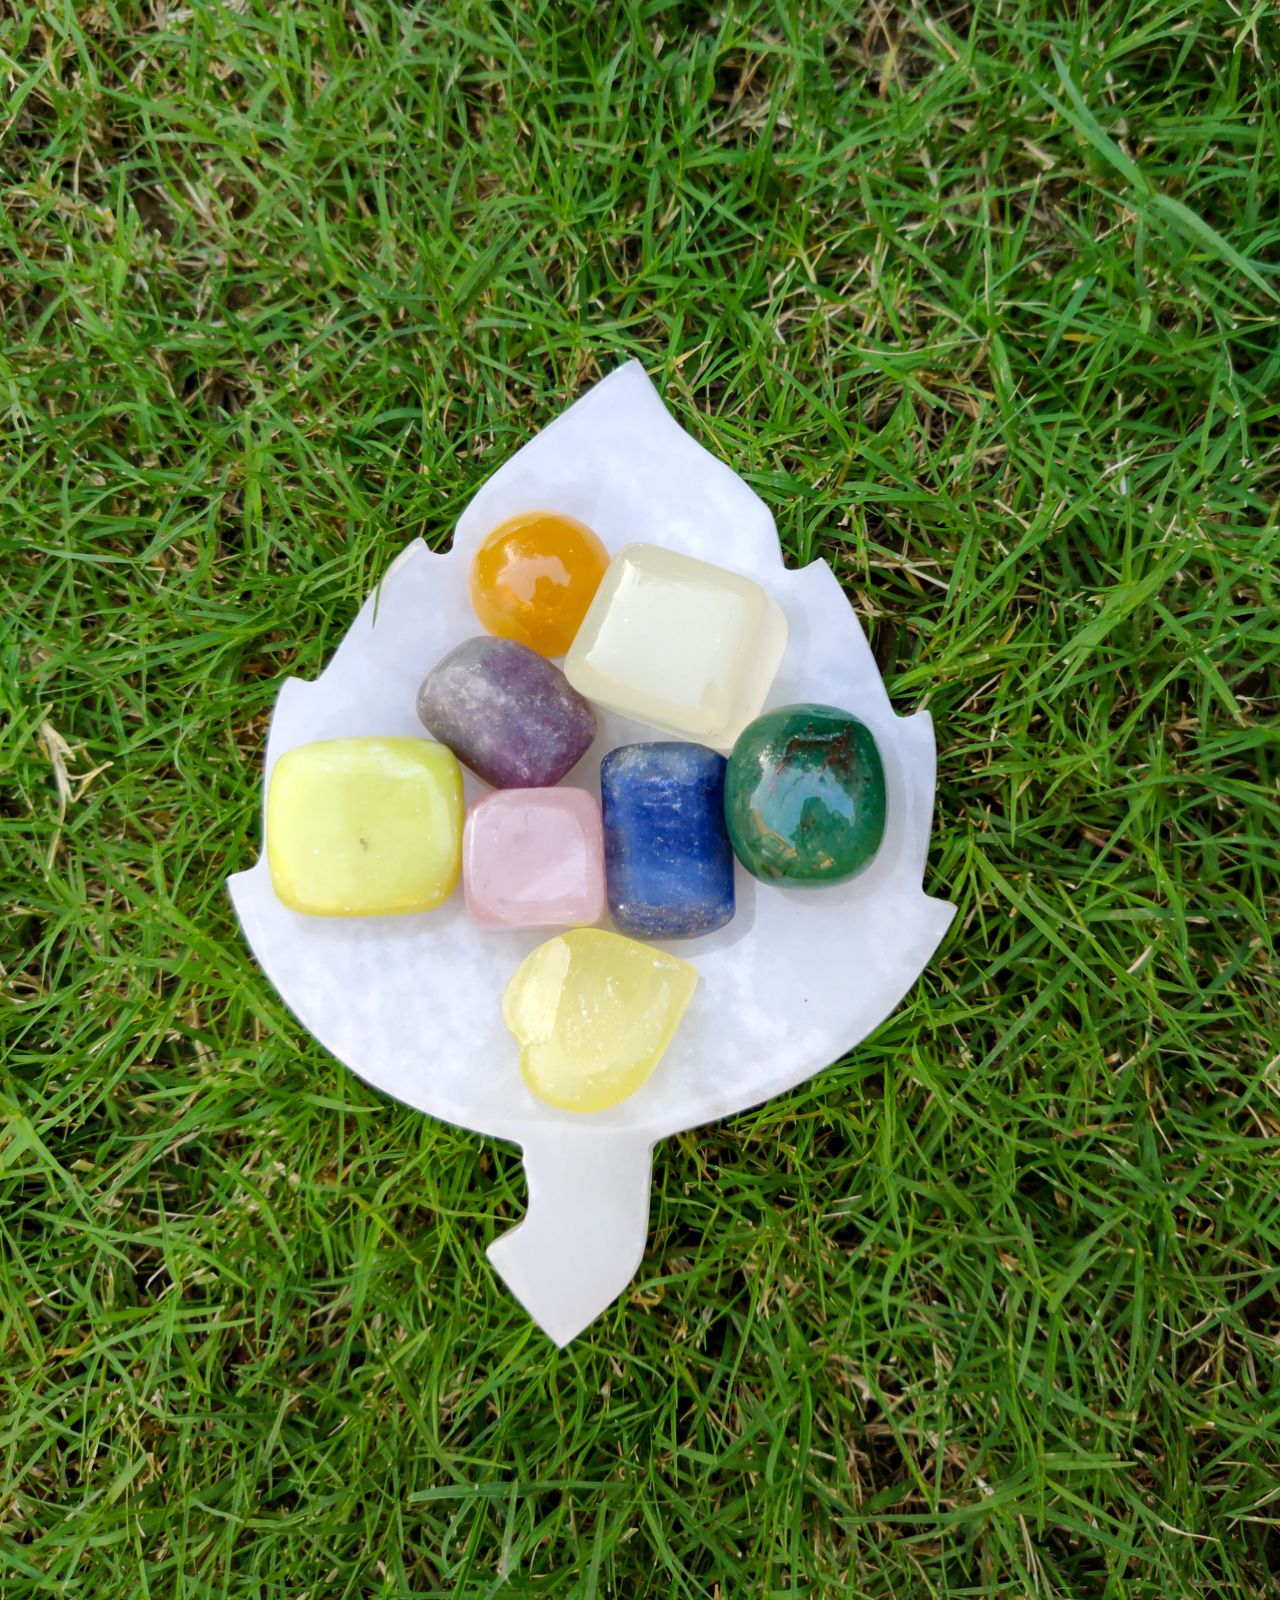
593	1013
688	647
506	713
534	577
668	861
805	796
533	858
364	827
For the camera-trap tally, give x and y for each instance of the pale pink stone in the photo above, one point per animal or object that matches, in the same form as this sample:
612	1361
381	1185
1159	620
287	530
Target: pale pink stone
534	858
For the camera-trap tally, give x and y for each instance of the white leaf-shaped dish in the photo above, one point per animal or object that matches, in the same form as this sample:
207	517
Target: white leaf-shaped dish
413	1004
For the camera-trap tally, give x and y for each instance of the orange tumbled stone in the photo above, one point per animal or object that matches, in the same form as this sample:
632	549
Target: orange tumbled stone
534	577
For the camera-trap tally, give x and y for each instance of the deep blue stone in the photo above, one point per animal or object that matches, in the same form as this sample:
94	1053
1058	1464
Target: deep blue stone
667	858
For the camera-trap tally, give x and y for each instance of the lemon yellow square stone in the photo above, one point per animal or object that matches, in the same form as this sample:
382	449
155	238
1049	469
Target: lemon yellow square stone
365	827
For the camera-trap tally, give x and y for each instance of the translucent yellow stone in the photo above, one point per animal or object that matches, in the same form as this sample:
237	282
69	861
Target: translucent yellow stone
593	1013
365	827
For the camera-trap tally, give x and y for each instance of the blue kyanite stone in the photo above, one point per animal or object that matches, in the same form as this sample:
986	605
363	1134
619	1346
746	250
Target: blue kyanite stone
667	858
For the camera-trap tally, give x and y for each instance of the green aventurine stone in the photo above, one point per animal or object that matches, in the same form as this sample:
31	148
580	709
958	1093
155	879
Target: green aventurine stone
804	796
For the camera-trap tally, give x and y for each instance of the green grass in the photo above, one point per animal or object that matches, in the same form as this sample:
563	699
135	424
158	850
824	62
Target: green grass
984	303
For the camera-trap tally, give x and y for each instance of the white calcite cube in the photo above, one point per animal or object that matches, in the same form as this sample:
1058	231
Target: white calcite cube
678	643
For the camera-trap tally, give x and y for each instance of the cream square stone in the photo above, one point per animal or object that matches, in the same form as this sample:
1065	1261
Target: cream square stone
678	643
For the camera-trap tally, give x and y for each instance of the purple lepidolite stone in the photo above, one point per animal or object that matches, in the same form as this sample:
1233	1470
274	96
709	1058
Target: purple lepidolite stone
507	713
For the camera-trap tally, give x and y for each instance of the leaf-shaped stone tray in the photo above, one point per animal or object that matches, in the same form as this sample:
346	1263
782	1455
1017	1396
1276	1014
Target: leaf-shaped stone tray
413	1004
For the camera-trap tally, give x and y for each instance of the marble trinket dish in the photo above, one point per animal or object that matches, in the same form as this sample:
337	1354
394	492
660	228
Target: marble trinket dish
413	1003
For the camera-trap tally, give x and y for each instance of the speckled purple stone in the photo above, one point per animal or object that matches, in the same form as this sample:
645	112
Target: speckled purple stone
507	713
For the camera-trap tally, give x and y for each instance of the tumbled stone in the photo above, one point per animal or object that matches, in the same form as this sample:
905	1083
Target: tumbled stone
506	713
364	827
593	1013
534	577
805	796
686	646
668	861
534	858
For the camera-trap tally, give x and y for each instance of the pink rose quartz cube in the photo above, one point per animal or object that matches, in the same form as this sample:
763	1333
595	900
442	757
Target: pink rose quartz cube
534	858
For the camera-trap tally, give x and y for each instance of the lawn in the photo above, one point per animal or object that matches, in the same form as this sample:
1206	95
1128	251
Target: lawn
983	302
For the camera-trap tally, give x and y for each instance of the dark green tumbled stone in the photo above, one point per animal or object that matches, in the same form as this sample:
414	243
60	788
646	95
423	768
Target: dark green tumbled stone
804	796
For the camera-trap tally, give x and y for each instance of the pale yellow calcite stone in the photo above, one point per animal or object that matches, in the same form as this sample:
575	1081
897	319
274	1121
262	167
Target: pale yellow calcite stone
365	827
681	644
593	1013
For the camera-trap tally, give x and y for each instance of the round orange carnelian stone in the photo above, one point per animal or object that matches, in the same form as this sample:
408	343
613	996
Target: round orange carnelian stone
534	577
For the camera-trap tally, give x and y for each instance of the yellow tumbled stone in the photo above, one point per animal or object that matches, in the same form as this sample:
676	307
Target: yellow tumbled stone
593	1013
365	827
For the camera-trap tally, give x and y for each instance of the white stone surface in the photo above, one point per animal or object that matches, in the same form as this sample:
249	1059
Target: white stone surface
414	1004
